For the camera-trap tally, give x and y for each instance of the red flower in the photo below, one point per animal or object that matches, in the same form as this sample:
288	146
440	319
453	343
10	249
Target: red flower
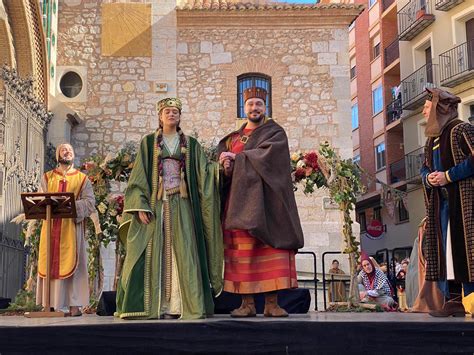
120	205
300	173
308	171
311	159
89	165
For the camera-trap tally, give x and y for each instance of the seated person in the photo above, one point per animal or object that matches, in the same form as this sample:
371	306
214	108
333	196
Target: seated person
374	285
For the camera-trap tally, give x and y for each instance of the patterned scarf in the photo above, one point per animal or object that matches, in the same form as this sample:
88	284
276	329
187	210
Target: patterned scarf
375	280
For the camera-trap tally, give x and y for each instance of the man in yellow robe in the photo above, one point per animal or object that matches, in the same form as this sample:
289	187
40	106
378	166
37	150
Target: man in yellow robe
69	279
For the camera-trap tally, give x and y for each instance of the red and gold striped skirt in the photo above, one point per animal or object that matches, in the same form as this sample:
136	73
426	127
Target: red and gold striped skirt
254	267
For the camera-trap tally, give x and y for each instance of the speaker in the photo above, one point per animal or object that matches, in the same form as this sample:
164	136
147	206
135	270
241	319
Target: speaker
4	302
107	305
294	301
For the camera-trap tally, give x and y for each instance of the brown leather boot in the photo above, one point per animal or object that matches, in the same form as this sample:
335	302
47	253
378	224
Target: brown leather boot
247	309
272	309
450	309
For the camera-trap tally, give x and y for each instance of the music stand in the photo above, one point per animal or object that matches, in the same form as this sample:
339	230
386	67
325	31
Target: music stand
46	206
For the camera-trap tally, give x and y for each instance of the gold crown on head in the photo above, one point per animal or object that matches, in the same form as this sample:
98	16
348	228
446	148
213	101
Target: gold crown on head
169	102
255	92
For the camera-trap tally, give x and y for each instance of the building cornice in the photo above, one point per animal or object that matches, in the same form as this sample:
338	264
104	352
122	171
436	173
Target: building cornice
269	16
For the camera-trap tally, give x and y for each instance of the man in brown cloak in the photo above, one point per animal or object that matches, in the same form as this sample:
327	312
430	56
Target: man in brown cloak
448	182
262	230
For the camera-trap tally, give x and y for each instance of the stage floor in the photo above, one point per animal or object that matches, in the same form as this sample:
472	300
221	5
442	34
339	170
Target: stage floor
329	317
313	333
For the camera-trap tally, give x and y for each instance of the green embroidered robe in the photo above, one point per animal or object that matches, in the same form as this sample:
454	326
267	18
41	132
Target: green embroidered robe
196	239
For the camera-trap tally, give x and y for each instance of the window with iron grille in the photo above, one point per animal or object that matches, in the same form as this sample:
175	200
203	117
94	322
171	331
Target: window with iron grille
248	80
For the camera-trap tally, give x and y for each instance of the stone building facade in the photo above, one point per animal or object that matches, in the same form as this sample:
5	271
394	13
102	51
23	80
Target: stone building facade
23	121
197	51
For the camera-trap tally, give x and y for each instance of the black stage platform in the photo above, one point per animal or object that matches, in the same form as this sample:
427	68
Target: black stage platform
314	333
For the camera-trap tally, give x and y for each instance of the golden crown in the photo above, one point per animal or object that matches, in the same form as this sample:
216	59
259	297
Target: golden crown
169	102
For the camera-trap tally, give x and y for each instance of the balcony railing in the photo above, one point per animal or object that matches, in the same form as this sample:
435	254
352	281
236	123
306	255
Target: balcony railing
413	18
397	171
446	5
391	53
386	4
457	64
413	86
413	163
394	111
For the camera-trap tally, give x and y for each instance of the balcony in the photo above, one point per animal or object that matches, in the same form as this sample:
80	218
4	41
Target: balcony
397	171
386	4
413	163
457	65
413	18
394	111
446	5
391	53
413	86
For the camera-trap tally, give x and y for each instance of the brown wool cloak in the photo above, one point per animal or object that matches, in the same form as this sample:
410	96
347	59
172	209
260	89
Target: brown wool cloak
262	200
456	145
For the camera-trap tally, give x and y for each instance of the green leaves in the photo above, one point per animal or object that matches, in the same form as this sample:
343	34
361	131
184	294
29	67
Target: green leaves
343	180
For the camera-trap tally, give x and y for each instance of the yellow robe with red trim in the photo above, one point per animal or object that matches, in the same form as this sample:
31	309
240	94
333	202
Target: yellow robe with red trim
63	230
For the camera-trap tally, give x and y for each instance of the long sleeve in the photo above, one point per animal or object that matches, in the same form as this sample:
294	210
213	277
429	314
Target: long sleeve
85	204
208	184
425	171
461	171
137	195
465	169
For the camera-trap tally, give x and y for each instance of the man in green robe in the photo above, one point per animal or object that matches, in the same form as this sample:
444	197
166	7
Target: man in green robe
171	228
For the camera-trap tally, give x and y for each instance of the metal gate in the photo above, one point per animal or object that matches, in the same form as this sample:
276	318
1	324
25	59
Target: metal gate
22	146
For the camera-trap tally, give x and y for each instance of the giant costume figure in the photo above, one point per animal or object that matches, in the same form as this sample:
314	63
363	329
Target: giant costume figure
448	181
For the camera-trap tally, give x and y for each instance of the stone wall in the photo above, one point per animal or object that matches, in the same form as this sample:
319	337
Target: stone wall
120	100
120	103
310	90
309	70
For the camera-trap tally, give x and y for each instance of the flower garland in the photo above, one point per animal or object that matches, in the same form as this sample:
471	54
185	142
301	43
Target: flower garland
103	228
306	171
343	180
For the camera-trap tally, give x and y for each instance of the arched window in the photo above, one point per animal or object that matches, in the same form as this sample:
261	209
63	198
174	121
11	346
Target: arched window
245	81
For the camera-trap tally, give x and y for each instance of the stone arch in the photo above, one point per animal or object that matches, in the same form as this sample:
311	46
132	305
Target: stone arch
27	43
7	54
264	66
